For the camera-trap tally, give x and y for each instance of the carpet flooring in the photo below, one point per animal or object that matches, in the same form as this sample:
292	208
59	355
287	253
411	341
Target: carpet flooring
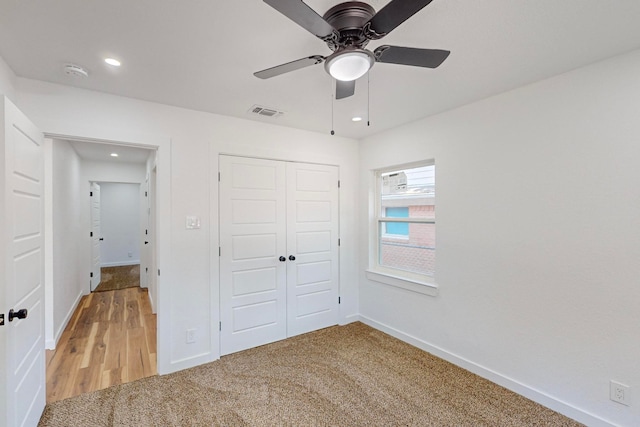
115	278
349	375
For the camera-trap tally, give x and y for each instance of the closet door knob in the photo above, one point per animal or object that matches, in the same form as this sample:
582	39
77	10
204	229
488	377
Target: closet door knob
292	258
282	259
20	314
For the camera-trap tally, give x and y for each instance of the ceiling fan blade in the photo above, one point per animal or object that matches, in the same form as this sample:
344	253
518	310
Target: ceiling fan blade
345	89
392	15
289	66
300	13
429	58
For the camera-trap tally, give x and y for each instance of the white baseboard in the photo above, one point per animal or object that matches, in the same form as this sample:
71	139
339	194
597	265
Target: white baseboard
509	383
349	319
186	363
120	263
51	344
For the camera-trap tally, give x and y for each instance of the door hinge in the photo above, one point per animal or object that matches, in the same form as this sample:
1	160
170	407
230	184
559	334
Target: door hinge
218	176
145	194
1	319
219	251
90	193
338	183
146	269
91	234
146	231
219	326
338	242
338	300
158	272
91	274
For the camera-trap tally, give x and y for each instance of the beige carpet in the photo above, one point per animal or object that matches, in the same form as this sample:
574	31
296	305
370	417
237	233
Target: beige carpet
114	278
340	376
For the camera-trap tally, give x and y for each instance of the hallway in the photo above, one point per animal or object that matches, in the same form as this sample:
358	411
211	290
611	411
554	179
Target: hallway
110	339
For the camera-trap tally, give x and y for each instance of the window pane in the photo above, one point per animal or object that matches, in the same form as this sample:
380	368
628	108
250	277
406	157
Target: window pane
397	212
398	228
415	253
408	193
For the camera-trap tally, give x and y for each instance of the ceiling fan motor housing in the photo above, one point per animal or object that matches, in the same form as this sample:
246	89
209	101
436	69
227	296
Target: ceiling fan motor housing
349	18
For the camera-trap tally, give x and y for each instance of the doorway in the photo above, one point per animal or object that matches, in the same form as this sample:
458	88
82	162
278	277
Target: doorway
97	333
118	213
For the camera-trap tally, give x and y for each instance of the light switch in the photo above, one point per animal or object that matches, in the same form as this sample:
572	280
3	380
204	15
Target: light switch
193	222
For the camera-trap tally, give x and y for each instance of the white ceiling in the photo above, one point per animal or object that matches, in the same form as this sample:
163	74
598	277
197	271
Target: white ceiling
202	54
102	152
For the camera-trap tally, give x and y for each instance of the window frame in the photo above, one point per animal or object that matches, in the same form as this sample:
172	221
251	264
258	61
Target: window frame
412	281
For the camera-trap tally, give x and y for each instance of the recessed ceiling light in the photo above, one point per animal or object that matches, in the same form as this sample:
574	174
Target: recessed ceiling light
356	119
112	61
114	154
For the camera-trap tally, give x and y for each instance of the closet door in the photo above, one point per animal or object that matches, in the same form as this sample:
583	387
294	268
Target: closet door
312	239
252	240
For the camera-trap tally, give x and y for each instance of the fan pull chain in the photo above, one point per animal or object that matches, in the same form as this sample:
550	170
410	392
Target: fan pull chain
368	96
332	102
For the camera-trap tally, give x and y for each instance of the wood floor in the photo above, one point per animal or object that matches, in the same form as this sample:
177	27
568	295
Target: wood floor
110	339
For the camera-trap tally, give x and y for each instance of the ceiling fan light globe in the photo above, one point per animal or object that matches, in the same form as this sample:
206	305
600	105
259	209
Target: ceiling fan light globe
350	65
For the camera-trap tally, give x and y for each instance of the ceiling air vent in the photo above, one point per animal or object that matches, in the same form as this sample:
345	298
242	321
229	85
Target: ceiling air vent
266	112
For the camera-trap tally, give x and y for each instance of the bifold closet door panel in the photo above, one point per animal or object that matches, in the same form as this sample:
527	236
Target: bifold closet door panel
252	239
312	239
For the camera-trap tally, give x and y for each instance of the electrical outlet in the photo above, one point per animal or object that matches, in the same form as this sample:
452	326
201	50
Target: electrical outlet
191	336
619	393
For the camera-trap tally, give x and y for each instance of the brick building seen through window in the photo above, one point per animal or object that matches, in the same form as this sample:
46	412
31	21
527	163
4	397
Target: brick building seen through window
407	246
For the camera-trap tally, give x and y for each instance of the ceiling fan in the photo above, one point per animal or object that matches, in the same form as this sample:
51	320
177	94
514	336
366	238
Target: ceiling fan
347	28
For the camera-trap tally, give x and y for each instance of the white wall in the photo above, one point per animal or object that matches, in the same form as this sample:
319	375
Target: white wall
119	224
7	81
189	278
538	226
68	284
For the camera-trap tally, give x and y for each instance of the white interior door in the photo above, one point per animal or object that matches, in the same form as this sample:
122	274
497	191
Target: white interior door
152	248
96	236
22	362
279	260
312	247
252	244
145	217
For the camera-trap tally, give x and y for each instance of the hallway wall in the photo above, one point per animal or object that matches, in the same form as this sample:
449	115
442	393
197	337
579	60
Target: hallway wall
120	224
69	284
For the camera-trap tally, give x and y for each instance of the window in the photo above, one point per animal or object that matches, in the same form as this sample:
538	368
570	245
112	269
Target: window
405	223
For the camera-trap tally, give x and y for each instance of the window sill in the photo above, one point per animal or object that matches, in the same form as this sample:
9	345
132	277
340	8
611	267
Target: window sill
416	286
